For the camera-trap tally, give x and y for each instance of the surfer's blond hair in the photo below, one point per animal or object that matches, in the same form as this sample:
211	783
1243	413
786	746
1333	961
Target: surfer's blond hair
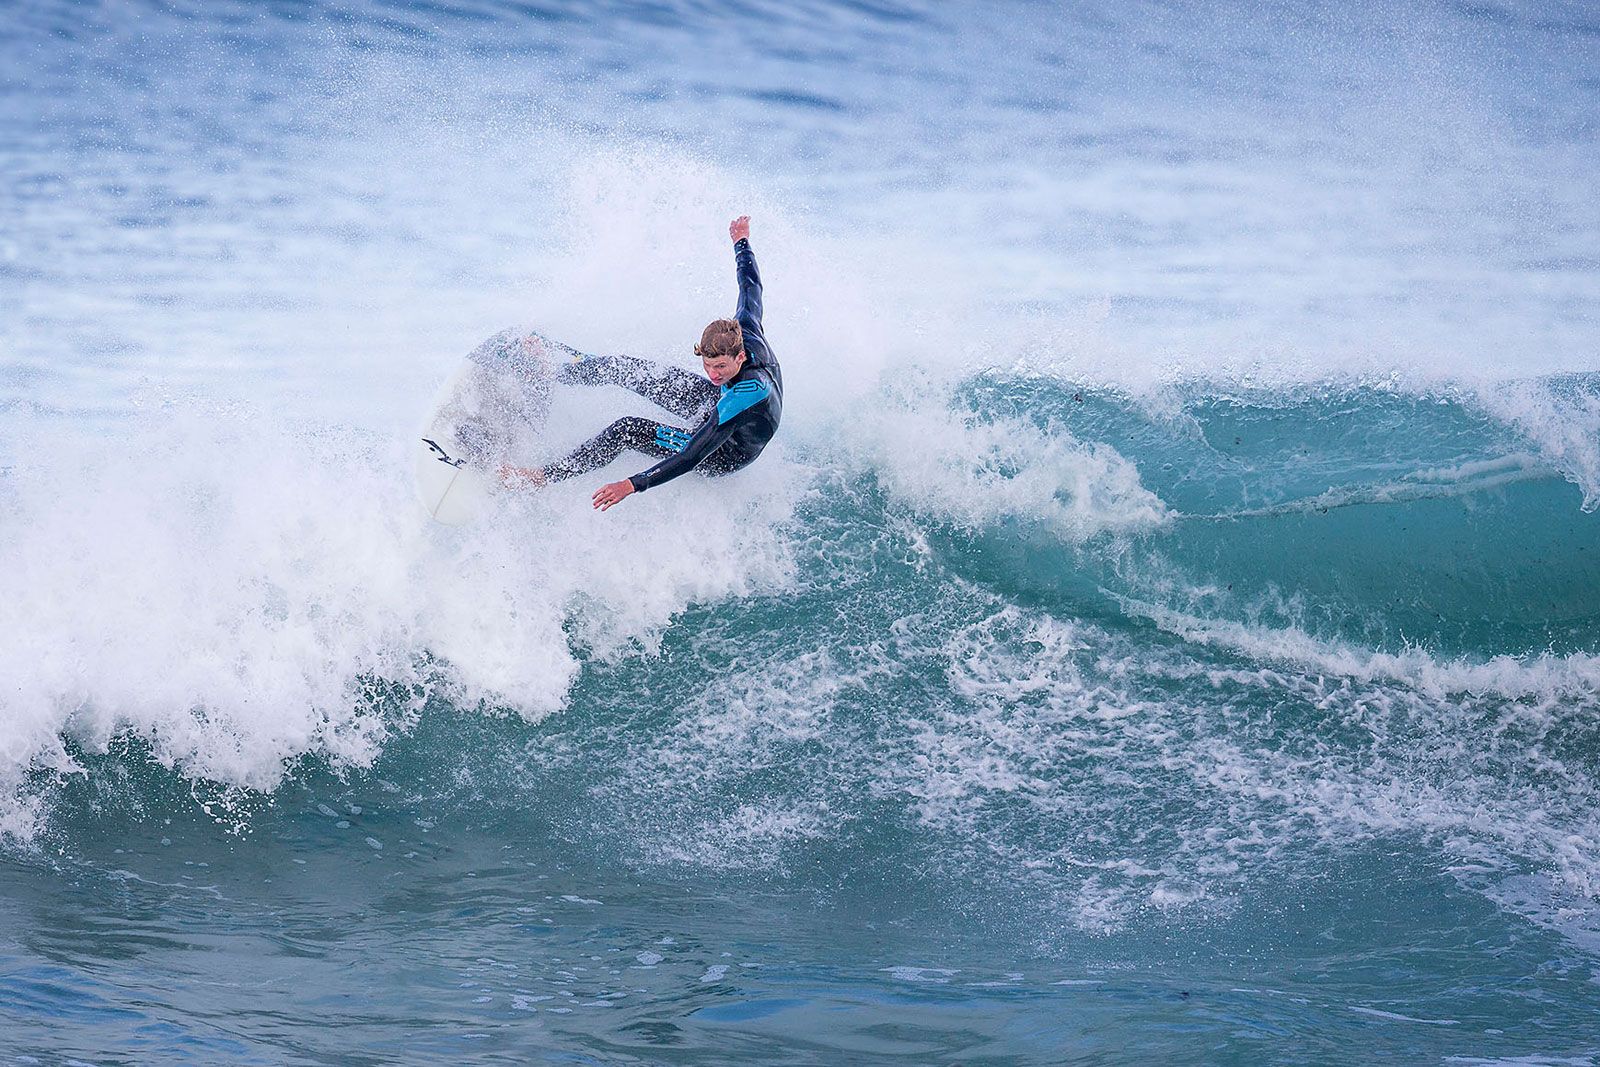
722	338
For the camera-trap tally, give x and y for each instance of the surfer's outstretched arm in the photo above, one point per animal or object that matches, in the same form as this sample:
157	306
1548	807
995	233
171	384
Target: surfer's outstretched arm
682	451
706	440
737	406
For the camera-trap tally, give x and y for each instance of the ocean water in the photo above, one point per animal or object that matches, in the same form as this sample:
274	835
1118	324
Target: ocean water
1166	629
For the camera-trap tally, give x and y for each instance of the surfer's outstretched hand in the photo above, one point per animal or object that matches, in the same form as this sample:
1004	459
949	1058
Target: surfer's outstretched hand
607	495
739	228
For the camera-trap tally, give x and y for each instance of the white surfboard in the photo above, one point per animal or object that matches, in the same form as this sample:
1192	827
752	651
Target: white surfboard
489	413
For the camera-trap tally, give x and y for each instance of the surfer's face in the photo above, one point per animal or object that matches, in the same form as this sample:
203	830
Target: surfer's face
722	368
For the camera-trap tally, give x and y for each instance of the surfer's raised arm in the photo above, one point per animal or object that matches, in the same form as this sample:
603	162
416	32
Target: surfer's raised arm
749	311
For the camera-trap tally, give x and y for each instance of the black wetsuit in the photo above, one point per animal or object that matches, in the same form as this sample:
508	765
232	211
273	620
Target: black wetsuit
735	422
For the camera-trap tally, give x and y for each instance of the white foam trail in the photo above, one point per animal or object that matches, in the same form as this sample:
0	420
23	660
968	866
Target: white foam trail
1550	677
1463	479
1396	1017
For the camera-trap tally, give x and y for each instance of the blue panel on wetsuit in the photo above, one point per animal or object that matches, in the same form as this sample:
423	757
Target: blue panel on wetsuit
741	396
672	439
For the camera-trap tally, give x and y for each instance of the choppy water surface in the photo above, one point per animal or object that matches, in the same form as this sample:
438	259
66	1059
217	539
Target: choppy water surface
1165	630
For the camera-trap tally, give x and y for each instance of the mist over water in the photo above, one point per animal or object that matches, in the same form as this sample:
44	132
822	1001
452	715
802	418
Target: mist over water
1164	628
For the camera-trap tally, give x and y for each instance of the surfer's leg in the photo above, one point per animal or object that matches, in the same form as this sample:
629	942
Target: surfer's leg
530	354
685	395
641	435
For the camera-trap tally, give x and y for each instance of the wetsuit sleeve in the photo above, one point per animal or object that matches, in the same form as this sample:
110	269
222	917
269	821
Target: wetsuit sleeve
744	260
706	440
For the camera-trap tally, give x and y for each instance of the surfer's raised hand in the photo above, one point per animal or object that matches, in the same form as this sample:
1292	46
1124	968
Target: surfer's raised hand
739	228
607	495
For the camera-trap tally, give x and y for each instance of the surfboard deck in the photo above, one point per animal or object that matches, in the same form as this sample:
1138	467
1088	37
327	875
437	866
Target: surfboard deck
489	413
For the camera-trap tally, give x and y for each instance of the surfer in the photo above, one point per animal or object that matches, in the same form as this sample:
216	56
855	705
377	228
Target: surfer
734	410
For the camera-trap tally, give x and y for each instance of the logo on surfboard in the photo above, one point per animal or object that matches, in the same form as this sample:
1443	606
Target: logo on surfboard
442	456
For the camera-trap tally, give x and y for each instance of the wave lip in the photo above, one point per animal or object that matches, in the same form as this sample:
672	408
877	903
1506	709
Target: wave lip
975	472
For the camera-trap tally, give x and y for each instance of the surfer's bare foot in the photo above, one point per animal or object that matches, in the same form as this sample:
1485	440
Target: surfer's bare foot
520	477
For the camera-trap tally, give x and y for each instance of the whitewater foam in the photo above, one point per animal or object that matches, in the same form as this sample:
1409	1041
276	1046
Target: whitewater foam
1562	418
228	586
975	472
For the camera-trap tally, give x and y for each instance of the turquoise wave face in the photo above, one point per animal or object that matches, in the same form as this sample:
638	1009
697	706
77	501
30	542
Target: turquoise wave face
1384	519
